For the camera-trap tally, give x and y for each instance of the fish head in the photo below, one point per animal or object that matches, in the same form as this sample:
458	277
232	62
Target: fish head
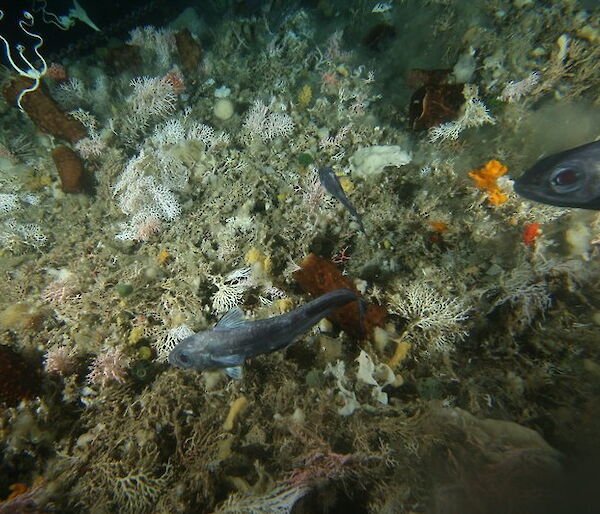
567	179
192	353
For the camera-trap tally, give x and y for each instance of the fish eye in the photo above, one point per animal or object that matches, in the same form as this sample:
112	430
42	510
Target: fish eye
184	358
565	180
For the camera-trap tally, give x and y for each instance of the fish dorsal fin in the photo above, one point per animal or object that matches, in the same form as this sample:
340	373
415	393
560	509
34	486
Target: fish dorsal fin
234	372
232	319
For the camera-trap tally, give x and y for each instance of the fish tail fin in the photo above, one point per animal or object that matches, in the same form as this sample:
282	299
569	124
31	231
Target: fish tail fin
362	312
360	224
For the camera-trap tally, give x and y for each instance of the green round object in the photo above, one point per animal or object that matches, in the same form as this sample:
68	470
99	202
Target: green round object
144	352
124	289
305	159
142	371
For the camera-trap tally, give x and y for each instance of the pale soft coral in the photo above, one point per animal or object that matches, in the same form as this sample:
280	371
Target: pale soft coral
59	359
109	366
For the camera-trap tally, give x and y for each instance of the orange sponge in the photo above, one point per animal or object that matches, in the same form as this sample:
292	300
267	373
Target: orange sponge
485	179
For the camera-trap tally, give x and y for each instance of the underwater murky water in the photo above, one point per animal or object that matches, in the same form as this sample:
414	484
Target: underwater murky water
267	256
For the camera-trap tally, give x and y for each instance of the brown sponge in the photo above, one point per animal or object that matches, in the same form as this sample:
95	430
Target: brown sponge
318	276
190	52
44	111
70	169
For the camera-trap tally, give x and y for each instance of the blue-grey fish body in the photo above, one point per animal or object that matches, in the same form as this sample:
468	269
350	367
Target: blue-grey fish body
331	183
234	339
566	179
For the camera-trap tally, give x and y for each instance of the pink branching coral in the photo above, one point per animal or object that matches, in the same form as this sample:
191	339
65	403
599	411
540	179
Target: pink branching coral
58	292
59	359
321	464
108	366
318	467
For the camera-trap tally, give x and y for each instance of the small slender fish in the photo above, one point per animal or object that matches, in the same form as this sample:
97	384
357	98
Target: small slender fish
566	179
331	183
234	339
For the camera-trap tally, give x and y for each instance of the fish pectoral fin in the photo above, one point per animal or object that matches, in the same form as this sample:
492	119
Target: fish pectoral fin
233	318
228	361
234	372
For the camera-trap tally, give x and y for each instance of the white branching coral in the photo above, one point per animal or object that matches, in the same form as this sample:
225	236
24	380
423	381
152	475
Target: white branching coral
474	114
434	320
165	344
153	97
59	291
131	491
8	202
16	236
160	42
174	132
262	122
231	289
527	293
149	199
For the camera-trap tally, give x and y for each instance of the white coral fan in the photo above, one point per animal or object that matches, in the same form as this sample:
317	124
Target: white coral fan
108	366
165	344
433	319
152	97
230	290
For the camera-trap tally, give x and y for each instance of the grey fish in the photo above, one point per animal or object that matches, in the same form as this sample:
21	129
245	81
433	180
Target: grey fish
566	179
234	339
331	183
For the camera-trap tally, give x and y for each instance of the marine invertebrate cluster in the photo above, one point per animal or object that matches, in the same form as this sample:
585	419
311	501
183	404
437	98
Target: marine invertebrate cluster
59	291
231	288
486	177
225	221
60	360
514	91
17	236
266	123
152	97
281	499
